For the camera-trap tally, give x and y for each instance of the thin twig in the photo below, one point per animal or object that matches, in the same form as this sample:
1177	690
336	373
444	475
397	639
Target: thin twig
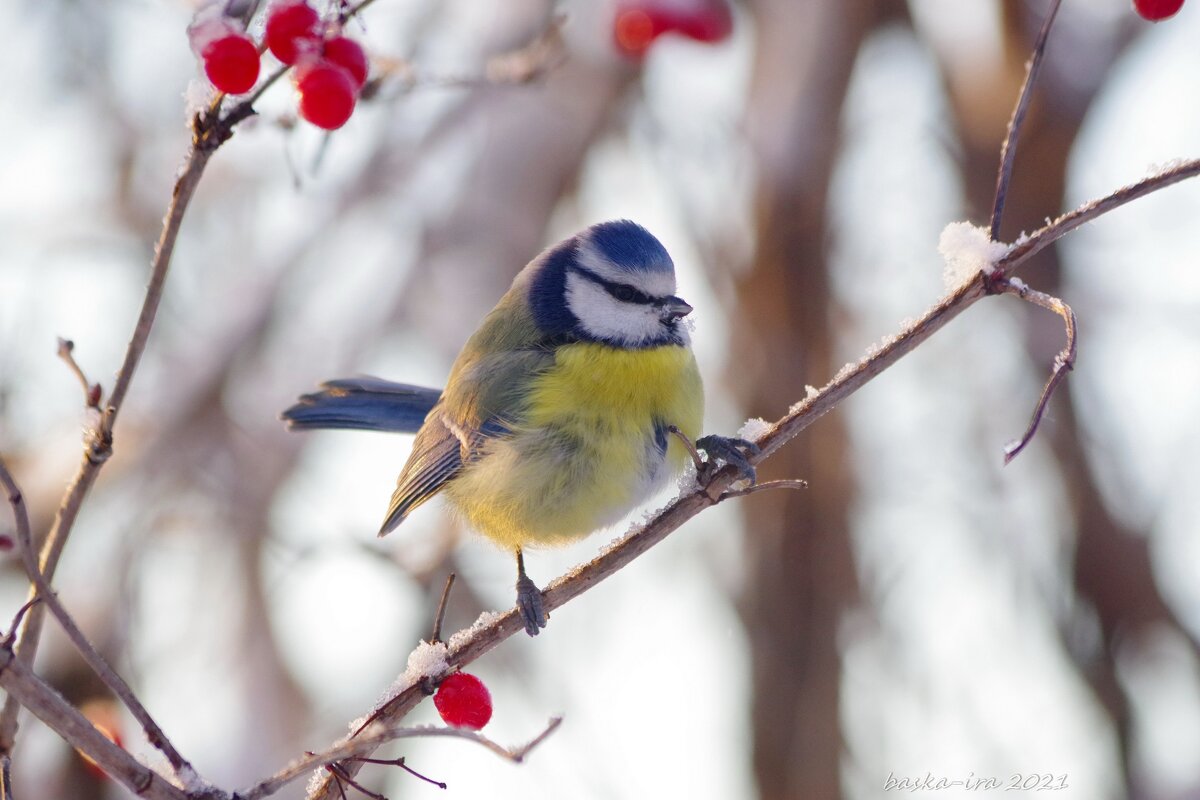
8	638
372	737
440	614
1008	150
762	487
1028	246
400	762
342	776
1064	362
91	391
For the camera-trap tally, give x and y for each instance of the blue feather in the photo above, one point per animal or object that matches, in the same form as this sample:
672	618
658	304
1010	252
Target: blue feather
630	246
367	404
550	313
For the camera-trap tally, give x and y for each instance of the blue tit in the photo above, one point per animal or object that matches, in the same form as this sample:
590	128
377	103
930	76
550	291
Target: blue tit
555	419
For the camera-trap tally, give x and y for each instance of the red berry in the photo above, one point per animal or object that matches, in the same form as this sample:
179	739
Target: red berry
634	31
348	54
712	24
639	22
327	94
231	63
292	30
1157	10
463	701
6	542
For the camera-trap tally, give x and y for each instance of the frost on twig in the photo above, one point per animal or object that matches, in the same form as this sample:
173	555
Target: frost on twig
967	251
426	665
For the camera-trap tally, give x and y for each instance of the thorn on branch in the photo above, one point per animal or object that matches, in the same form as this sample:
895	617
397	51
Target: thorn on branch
1064	362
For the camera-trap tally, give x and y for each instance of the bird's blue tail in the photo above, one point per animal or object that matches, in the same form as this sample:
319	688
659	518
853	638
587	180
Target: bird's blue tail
366	404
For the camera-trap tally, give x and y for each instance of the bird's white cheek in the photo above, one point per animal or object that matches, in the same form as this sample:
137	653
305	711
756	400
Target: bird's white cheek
604	317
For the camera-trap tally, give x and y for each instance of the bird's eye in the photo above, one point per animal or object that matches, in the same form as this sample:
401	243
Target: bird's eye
624	293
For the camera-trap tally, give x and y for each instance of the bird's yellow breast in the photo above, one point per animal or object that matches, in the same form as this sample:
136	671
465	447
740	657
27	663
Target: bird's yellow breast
593	383
588	446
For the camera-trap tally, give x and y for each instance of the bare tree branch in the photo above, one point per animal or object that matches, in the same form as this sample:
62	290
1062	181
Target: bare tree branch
1064	362
1008	149
854	376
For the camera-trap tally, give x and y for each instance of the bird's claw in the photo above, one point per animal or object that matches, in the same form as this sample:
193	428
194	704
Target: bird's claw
732	451
531	606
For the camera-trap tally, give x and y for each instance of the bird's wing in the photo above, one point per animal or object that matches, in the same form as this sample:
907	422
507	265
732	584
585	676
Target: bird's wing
483	403
364	403
437	456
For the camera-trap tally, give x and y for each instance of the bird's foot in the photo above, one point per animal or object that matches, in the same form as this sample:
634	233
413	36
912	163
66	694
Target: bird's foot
734	452
533	609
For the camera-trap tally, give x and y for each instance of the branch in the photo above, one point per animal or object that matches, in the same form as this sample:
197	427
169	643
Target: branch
1008	150
854	376
1064	362
470	644
370	738
64	719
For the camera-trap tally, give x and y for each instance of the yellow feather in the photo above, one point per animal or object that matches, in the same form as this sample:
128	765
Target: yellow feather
584	452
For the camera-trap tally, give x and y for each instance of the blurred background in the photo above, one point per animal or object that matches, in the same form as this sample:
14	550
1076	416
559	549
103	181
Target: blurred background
919	610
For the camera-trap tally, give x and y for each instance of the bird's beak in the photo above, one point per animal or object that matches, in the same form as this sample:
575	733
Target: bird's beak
675	308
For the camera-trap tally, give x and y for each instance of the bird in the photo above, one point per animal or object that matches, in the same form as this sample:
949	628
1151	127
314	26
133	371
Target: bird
576	399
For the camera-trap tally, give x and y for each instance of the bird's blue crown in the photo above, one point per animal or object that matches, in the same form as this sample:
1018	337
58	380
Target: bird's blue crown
629	246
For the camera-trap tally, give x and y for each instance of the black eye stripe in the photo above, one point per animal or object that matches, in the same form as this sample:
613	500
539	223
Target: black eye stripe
621	291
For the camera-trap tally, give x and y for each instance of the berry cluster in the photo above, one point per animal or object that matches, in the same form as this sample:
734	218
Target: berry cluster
463	701
329	69
1157	10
